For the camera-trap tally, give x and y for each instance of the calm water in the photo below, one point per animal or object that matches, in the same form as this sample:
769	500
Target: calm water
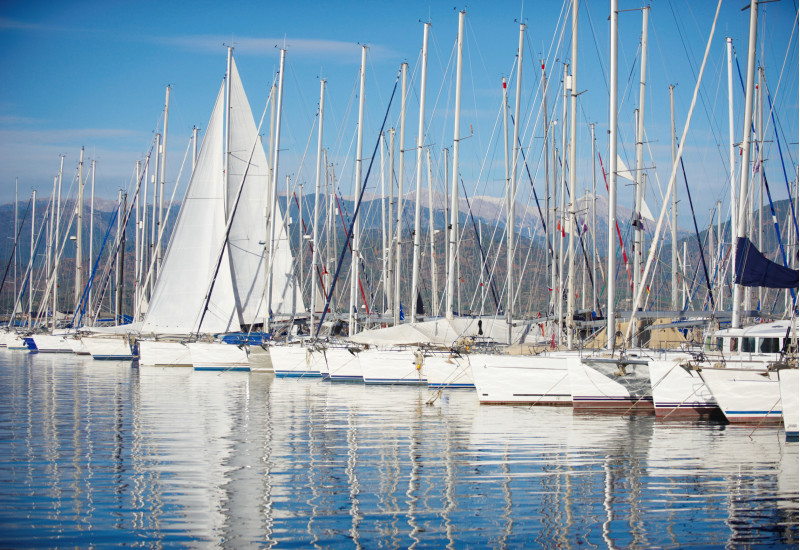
99	453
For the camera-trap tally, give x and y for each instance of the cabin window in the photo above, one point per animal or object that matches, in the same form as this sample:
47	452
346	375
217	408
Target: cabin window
748	345
769	345
720	343
734	344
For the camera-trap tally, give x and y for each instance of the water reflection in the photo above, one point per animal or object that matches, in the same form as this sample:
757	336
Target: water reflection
96	453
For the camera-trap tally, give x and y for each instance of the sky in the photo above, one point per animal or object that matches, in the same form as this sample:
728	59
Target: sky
94	74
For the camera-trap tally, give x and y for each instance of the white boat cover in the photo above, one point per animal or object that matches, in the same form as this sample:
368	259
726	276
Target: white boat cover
440	332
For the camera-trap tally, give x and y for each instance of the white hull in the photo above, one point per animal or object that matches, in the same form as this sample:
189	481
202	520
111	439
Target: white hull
788	381
745	395
14	342
260	359
392	366
518	379
598	385
444	370
78	347
218	356
296	361
48	343
108	347
164	354
678	392
343	365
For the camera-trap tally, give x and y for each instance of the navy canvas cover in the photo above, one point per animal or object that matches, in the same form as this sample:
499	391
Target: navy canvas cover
754	269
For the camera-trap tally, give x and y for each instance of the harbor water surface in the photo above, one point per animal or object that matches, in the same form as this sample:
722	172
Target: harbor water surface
103	453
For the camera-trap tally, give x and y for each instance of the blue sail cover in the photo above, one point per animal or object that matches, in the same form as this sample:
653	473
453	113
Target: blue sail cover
753	269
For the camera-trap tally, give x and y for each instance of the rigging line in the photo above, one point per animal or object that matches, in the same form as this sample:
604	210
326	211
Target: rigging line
358	207
85	296
777	228
484	260
783	164
341	207
697	234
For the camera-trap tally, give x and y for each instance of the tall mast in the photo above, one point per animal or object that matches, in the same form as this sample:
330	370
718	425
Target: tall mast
30	268
595	297
418	201
736	321
273	193
548	226
453	227
354	275
317	194
384	252
57	240
79	236
566	86
399	230
91	228
760	138
573	174
227	155
163	180
52	248
638	229
512	217
154	213
138	258
509	243
16	230
611	326
432	230
674	204
732	159
390	237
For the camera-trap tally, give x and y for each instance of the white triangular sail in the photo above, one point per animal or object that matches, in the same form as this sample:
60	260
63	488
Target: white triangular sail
193	253
247	236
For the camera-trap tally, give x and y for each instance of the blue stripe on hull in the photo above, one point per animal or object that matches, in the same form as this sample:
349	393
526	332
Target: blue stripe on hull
232	369
297	374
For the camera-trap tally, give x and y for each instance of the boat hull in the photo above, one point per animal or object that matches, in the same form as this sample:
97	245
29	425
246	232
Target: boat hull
521	380
116	348
788	381
746	396
680	392
214	356
157	353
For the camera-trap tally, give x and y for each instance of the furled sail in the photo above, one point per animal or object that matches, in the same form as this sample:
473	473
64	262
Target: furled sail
754	269
193	253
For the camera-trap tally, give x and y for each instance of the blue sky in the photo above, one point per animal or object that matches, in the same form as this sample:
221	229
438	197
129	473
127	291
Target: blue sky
94	73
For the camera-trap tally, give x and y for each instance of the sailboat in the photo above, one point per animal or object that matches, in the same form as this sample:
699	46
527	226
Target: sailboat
212	278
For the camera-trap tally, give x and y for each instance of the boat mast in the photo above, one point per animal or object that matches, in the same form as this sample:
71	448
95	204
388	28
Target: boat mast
432	230
638	227
317	188
273	191
611	325
512	203
548	226
384	253
573	175
137	263
566	86
389	222
57	240
354	257
399	230
732	159
16	234
509	244
194	147
91	229
418	199
30	268
674	204
595	297
160	223
79	237
52	249
453	227
736	321
760	163
154	213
